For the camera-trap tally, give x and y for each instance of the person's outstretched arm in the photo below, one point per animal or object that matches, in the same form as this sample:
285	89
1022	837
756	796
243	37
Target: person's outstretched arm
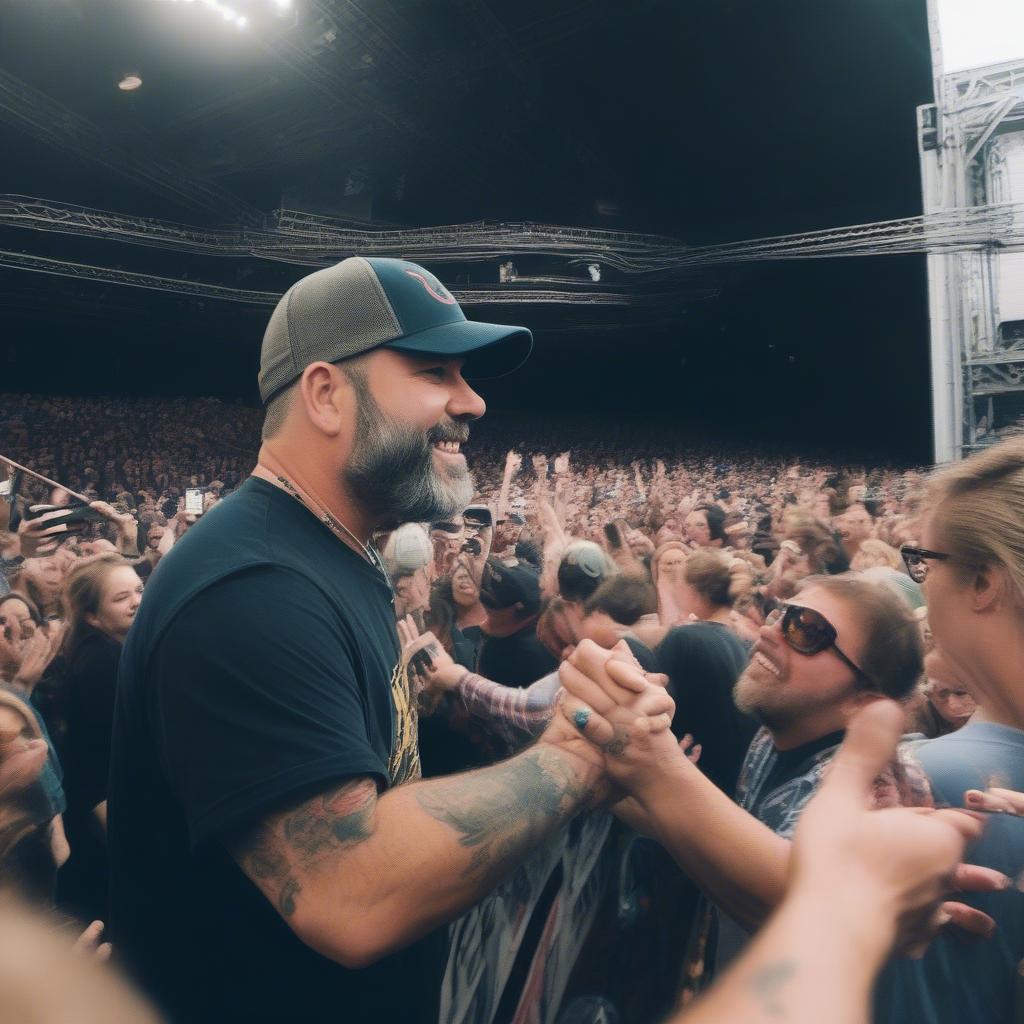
858	876
738	861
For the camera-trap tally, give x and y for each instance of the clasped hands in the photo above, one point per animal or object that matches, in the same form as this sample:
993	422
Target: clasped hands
905	860
615	715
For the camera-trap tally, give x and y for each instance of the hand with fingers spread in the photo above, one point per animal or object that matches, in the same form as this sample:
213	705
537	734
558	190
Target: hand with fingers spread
892	866
430	665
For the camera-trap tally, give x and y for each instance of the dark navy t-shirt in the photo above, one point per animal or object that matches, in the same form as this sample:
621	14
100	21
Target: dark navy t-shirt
262	668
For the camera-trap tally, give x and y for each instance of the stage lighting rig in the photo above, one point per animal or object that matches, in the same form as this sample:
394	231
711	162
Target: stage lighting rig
241	13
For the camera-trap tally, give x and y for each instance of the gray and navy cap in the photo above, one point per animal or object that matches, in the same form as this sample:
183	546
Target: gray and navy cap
364	303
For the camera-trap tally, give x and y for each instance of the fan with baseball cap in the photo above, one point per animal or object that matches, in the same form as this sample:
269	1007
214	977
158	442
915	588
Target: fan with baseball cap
368	302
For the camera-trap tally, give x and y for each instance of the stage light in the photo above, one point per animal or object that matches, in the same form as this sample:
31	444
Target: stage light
130	83
594	270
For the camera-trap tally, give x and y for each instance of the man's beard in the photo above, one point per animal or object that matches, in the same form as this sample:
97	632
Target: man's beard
772	705
392	471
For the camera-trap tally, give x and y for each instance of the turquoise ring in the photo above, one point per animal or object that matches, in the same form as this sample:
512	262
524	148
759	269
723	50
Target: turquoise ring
580	718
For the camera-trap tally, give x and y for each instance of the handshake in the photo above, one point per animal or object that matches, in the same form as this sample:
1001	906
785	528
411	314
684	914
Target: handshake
616	717
903	862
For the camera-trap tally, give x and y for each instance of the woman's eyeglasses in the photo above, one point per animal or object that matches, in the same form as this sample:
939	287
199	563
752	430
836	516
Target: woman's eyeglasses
808	632
916	560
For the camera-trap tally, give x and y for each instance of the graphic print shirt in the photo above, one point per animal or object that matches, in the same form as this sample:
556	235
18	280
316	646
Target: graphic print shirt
260	670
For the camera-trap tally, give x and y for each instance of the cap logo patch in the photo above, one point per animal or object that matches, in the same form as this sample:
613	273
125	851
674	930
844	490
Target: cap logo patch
433	287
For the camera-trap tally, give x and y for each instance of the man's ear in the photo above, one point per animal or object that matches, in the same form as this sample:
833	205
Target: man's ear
326	394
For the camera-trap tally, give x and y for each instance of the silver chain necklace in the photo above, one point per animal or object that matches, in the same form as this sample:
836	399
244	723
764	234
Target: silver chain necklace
340	530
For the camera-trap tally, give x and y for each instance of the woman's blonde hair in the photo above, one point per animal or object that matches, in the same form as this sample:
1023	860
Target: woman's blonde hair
978	509
879	553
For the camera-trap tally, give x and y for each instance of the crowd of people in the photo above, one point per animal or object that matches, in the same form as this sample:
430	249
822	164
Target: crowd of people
791	677
685	560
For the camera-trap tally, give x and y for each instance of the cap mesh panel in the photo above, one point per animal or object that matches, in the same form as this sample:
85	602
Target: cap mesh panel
336	313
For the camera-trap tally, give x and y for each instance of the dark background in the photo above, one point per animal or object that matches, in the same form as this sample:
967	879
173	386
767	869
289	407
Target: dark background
706	121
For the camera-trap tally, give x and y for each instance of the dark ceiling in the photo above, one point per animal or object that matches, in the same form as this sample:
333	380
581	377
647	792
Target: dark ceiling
706	121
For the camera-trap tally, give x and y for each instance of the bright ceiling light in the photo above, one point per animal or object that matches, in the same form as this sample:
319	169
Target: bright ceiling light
983	32
130	83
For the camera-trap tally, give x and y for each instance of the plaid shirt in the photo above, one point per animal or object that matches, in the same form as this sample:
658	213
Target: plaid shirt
507	710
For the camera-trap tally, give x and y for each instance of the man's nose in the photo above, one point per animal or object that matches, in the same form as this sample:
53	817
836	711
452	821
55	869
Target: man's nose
464	403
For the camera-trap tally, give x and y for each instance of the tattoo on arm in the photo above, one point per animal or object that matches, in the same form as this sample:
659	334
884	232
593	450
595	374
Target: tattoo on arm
280	850
503	812
768	982
617	746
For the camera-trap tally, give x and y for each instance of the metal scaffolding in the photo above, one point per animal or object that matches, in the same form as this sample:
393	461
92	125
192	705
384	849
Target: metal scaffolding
310	240
977	356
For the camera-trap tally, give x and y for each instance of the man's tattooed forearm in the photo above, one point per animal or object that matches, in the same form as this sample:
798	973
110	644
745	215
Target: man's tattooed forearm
275	853
503	812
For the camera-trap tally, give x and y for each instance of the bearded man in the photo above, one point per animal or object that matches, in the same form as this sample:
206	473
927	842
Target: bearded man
274	856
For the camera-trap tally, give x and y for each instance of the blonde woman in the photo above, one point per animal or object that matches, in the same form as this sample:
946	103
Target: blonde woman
971	565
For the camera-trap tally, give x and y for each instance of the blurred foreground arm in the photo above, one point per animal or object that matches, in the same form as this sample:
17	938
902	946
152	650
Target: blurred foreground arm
856	876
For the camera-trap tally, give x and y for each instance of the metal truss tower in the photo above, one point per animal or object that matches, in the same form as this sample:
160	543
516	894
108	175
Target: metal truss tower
971	142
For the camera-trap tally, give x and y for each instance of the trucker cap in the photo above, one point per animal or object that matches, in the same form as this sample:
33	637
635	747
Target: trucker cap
364	303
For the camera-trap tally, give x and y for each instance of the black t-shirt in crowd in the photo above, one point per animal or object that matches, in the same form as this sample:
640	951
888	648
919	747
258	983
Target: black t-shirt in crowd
90	683
516	660
703	660
643	654
262	668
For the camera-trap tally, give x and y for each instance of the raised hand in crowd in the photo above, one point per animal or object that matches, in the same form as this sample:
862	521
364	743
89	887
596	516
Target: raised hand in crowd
433	669
40	537
124	523
24	659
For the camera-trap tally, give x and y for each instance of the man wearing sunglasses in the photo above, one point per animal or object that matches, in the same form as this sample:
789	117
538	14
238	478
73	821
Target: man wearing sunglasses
842	643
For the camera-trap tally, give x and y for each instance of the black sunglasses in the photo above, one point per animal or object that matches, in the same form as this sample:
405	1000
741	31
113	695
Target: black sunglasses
808	632
916	560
